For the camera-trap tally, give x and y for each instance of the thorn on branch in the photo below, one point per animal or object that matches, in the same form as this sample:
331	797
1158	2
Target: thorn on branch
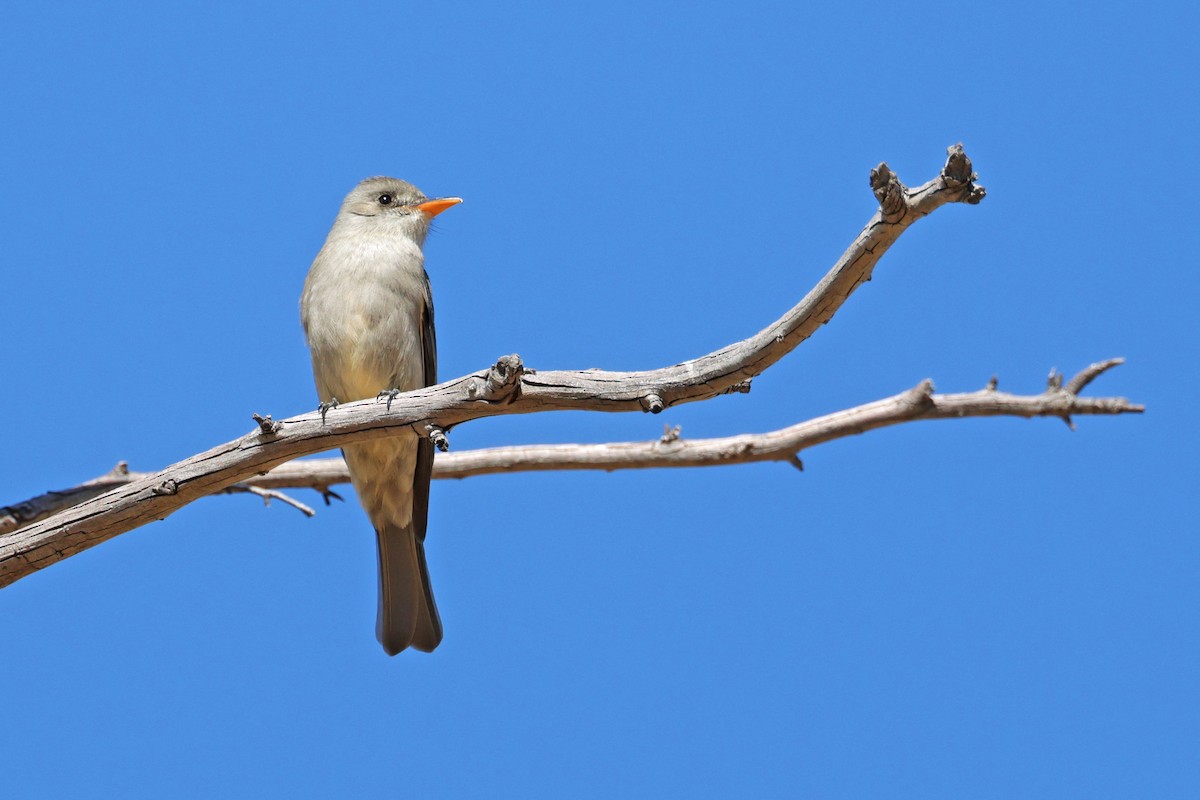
796	462
1067	419
992	384
266	425
670	434
437	435
327	494
653	403
1055	380
889	191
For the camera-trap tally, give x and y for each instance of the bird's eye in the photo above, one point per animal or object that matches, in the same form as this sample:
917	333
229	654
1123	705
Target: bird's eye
385	199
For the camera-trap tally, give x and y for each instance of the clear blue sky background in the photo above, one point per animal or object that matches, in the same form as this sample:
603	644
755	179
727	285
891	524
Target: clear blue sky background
987	608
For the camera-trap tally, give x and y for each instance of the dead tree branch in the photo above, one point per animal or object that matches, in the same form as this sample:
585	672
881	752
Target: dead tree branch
670	450
506	388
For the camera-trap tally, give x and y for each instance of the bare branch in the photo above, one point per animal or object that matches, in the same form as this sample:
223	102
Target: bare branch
669	450
1078	383
26	512
268	495
509	388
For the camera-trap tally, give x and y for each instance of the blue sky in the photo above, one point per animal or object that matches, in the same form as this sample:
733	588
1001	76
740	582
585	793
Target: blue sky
985	608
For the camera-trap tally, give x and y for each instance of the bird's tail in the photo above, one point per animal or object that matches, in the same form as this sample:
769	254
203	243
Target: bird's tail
408	616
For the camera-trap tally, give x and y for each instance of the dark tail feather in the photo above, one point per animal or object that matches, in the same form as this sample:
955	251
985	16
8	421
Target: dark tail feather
408	616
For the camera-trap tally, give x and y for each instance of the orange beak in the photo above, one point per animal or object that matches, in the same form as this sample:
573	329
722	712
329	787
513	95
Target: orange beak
432	208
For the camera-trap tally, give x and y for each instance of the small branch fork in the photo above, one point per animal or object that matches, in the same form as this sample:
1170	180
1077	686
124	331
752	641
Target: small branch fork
508	387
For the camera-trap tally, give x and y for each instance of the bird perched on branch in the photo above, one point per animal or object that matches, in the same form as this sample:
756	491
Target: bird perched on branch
367	312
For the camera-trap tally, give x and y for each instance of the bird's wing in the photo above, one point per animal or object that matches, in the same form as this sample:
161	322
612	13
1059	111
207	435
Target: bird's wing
428	632
425	447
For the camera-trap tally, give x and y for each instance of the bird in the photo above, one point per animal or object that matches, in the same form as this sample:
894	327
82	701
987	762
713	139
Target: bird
367	314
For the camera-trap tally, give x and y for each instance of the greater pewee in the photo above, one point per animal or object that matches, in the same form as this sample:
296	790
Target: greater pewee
367	311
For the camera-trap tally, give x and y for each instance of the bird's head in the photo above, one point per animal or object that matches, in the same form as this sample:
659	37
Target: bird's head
393	207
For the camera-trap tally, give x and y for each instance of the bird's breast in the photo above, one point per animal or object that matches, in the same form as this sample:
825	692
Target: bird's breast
362	309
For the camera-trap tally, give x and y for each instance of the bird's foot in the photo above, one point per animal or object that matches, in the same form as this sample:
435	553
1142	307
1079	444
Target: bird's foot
437	435
389	395
324	407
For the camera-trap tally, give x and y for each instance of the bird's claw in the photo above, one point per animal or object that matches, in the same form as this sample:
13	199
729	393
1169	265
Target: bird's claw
389	395
437	435
324	407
